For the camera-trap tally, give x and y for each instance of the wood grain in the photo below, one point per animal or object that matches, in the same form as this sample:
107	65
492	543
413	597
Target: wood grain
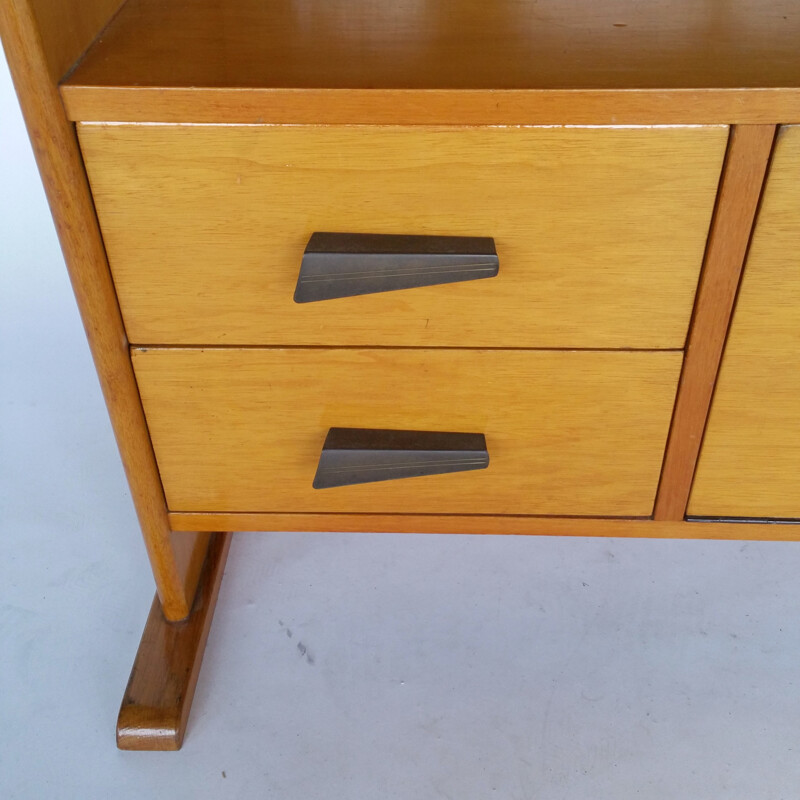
61	168
600	232
68	27
433	106
158	698
742	181
750	461
567	432
191	549
487	524
402	62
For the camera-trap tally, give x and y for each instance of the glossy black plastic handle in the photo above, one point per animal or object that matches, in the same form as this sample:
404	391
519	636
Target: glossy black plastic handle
348	264
363	455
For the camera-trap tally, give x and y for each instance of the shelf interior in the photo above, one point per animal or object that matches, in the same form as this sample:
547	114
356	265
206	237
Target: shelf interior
447	44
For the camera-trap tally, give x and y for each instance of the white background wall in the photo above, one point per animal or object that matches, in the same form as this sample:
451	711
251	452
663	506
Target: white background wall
435	667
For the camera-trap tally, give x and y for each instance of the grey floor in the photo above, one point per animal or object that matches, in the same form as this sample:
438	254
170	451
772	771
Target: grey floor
356	666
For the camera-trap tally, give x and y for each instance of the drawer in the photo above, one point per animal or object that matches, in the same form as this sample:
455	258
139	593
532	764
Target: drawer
568	433
750	461
600	232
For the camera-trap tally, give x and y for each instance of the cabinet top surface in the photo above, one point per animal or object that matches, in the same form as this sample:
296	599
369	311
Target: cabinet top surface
445	45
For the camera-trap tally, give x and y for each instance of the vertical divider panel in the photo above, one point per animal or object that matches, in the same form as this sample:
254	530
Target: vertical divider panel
743	176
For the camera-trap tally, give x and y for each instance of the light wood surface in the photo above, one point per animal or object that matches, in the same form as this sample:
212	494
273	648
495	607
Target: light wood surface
264	60
61	168
191	549
743	178
433	106
68	27
617	219
600	232
567	432
750	461
487	524
158	698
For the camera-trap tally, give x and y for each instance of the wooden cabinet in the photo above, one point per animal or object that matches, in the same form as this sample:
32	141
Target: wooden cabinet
615	154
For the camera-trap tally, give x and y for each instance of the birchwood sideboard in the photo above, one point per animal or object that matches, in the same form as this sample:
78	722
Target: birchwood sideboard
352	265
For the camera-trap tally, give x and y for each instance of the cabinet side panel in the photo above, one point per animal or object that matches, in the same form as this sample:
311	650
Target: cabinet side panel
56	149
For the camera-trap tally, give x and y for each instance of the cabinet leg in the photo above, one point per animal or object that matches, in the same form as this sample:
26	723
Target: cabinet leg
159	694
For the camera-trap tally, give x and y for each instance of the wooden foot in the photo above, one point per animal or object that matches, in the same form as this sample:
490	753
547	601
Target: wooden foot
159	695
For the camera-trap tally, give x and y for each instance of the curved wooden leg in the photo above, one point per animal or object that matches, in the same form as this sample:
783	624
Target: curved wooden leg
159	695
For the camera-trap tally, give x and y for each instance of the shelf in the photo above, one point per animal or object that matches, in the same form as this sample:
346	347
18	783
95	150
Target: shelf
459	61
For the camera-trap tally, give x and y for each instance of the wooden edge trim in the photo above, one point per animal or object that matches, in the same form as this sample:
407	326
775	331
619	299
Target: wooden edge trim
431	106
476	524
60	163
158	698
743	177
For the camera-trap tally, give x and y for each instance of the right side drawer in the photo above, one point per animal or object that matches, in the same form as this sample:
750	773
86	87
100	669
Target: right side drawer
600	232
750	460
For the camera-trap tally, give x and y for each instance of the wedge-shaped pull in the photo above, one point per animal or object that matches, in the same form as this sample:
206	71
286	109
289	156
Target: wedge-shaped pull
348	264
362	455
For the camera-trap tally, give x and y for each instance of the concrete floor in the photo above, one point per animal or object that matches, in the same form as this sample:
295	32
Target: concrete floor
356	666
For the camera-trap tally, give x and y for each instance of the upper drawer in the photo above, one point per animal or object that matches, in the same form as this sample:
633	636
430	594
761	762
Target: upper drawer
600	232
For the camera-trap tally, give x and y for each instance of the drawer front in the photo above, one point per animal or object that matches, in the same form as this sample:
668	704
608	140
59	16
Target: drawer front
600	232
578	433
750	462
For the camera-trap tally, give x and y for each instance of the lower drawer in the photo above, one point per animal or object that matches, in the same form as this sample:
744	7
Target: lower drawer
568	433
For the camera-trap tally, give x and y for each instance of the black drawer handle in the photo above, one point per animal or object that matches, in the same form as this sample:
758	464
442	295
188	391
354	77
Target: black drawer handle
361	455
349	264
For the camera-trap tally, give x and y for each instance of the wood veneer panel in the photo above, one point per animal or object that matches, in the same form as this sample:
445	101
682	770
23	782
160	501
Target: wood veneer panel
750	461
742	181
433	106
567	432
262	59
600	232
158	698
68	27
487	524
61	168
